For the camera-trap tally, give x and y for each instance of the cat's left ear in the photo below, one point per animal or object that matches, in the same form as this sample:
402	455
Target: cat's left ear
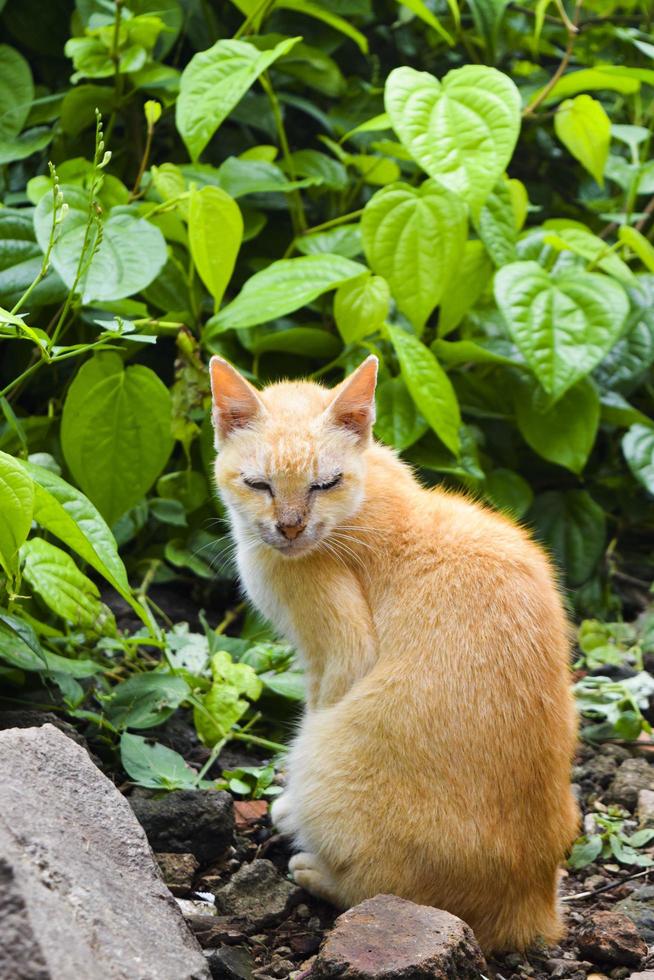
235	402
353	407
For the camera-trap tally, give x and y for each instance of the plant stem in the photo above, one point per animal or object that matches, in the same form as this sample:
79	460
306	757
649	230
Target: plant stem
298	216
572	30
265	743
215	752
229	618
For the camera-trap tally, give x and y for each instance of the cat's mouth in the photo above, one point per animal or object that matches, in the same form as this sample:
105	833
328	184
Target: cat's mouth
290	547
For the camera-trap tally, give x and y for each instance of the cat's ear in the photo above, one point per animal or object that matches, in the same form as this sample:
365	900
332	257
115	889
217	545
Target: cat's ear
353	407
235	401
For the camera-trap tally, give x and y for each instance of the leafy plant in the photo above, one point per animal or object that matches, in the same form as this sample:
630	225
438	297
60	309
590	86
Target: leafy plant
611	843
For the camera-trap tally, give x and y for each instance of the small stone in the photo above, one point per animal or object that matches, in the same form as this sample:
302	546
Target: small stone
199	822
390	938
280	968
190	906
229	963
611	938
564	969
639	906
178	871
258	894
633	776
303	912
645	809
620	973
214	931
645	975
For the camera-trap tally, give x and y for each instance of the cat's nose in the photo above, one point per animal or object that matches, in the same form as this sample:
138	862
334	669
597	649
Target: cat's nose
291	531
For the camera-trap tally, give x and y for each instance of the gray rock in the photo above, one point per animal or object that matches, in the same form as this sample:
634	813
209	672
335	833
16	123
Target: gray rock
646	975
645	808
178	871
639	906
80	893
388	938
257	894
230	963
611	938
199	822
633	776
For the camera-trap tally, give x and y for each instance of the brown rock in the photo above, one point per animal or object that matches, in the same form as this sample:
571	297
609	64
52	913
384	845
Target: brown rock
178	871
611	938
388	938
633	776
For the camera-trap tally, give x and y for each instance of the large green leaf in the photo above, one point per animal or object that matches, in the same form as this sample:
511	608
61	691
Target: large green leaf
573	527
53	574
584	128
496	225
508	491
145	700
361	307
215	232
563	322
282	287
467	283
155	766
461	130
563	433
21	259
638	449
398	421
130	255
65	512
20	647
214	82
414	237
115	432
430	387
16	509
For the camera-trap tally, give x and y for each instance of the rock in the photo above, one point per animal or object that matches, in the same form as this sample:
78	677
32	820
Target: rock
645	808
80	893
639	906
598	766
35	719
258	894
633	776
611	938
562	969
199	822
230	963
390	938
646	975
213	931
193	907
178	871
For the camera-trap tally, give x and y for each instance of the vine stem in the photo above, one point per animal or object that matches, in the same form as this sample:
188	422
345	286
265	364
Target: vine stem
298	216
572	30
265	743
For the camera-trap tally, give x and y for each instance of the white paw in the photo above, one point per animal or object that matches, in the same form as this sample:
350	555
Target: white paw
281	814
309	873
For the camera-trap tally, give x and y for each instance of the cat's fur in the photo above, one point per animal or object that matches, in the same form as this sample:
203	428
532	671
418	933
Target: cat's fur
434	756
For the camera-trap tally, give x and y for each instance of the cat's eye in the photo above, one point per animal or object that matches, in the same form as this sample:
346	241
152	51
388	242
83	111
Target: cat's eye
329	485
258	485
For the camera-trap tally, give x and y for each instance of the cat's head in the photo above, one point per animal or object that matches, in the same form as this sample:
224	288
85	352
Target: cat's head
291	458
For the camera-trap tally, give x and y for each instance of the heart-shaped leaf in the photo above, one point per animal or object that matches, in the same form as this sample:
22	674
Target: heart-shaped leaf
638	449
565	432
462	131
414	237
564	323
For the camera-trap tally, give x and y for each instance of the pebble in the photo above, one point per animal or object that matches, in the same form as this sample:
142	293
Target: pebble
178	871
611	938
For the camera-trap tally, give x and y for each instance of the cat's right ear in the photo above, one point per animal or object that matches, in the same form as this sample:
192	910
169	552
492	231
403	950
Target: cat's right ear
235	401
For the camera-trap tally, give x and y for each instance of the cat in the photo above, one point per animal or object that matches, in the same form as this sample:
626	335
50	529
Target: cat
433	760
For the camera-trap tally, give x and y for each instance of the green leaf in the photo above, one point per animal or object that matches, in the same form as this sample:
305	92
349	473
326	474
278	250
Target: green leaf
145	700
21	259
131	254
16	92
469	352
215	231
638	449
462	131
584	128
563	433
20	647
414	238
430	387
221	709
398	422
573	527
638	244
591	247
508	491
311	163
497	225
214	82
289	684
306	341
466	284
361	307
319	12
240	177
65	512
345	241
115	432
488	16
16	510
614	78
282	287
240	676
53	574
563	322
154	766
422	11
584	851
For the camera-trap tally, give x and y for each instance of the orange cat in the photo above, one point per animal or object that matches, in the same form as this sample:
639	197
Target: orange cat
433	760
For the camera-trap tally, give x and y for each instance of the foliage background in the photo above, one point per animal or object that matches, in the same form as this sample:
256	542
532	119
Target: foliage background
261	180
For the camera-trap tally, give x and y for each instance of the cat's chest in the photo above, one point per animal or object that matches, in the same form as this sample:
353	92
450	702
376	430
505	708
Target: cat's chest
269	589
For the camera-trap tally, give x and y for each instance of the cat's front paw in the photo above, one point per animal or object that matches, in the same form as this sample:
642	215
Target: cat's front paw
281	815
310	873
